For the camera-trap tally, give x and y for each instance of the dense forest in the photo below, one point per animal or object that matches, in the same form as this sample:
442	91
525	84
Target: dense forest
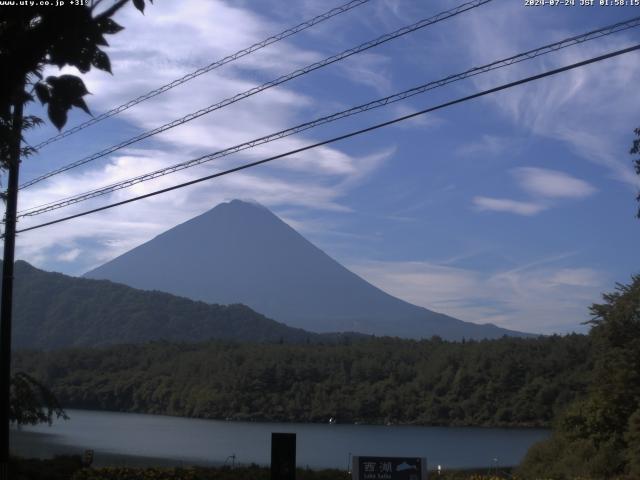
53	310
506	382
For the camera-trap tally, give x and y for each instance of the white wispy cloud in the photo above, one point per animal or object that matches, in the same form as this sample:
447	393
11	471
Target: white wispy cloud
369	69
552	183
507	205
487	145
572	107
577	277
69	255
544	186
539	298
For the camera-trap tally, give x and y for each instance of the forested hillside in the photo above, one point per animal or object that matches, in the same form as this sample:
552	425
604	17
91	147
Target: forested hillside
504	382
52	310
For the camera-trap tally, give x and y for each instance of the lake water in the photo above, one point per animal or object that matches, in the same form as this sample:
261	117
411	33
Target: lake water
135	439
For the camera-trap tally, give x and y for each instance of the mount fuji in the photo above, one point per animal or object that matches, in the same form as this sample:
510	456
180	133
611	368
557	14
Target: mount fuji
240	252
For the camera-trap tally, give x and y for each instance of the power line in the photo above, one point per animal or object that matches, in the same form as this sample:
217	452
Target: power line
280	80
534	53
212	66
604	31
343	137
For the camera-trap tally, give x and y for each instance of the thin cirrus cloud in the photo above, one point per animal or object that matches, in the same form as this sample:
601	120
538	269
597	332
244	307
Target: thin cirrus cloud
572	110
543	185
551	183
507	205
540	297
487	145
69	255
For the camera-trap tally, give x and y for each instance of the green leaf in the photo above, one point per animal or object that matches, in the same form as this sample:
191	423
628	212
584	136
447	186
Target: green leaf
30	121
69	85
66	91
101	60
80	103
57	114
100	40
108	26
42	92
139	4
83	62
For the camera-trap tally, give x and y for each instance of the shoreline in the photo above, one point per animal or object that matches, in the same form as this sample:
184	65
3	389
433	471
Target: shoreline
505	426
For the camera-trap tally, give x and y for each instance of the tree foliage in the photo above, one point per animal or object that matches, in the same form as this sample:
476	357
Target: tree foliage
635	150
31	402
599	434
36	36
506	382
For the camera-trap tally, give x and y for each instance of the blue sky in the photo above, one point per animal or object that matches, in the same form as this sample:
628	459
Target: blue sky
516	209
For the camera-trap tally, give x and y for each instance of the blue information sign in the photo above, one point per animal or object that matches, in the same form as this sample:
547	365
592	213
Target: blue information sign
389	468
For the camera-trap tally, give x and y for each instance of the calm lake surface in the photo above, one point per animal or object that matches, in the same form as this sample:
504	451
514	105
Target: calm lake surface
135	439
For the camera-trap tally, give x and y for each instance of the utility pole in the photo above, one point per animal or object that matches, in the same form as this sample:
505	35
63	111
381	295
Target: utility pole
6	304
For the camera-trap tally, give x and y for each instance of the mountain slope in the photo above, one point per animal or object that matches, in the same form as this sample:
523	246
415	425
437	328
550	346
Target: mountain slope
52	310
240	252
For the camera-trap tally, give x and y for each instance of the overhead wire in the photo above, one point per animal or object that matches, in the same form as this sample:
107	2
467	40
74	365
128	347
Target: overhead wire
212	66
528	55
343	137
278	81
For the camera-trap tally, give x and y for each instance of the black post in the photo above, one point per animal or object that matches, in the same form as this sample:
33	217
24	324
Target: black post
283	456
7	288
